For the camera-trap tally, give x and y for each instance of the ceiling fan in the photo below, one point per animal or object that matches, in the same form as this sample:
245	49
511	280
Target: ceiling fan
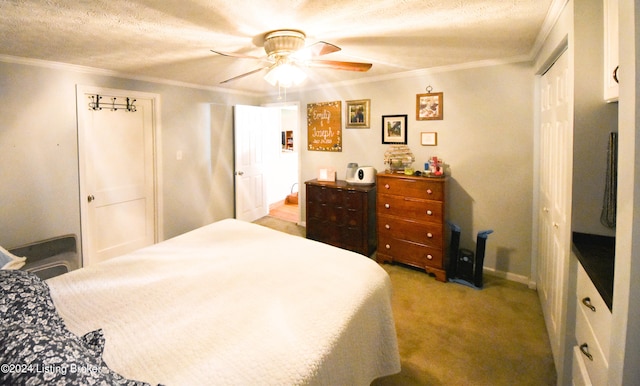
286	54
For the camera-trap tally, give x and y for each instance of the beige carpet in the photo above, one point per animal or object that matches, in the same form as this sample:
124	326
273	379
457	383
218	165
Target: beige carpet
451	334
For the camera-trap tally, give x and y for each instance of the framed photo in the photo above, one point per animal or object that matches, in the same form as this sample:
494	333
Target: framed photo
429	138
324	126
394	129
429	106
358	114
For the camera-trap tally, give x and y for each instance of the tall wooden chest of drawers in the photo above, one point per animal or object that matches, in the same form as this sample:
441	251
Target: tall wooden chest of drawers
411	225
342	215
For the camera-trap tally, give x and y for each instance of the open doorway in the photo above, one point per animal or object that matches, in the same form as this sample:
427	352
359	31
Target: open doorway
284	168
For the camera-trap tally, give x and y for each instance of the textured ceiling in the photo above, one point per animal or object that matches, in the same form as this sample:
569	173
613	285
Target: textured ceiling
172	39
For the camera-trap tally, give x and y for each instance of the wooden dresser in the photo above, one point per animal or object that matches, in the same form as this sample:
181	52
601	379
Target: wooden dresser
411	224
342	215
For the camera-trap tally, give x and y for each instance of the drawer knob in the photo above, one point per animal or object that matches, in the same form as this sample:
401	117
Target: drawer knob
429	235
584	349
387	206
386	186
429	191
429	213
587	303
388	246
387	226
429	257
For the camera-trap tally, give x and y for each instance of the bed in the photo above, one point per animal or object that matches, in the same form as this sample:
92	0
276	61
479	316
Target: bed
234	303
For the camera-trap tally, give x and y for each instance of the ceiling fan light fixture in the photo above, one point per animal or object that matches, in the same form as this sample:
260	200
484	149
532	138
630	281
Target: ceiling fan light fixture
287	55
285	75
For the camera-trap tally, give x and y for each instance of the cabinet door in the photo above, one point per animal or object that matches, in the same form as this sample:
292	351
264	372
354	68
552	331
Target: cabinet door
611	50
554	217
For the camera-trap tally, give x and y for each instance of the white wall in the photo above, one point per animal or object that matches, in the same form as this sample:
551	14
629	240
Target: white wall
283	173
39	197
486	138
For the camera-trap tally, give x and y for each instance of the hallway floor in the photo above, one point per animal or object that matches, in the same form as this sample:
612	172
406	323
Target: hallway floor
287	212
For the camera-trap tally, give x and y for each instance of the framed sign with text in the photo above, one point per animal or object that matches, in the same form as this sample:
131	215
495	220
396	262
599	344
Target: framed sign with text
324	126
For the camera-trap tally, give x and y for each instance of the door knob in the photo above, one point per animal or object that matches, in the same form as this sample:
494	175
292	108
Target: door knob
239	173
90	198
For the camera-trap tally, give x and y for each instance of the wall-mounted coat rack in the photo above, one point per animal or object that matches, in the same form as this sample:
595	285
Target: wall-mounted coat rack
114	105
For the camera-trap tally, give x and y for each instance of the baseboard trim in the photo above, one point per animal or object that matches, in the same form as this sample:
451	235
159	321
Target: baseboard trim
509	276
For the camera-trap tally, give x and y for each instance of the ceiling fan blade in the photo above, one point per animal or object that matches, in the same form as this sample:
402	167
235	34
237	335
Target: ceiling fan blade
243	75
232	55
315	49
348	66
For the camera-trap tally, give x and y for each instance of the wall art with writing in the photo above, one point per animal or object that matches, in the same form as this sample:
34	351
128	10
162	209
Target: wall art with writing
324	126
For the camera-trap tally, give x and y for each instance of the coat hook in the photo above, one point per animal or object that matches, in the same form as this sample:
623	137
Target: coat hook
130	106
95	102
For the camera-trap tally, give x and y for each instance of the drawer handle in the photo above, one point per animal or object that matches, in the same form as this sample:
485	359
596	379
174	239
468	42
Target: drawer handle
584	349
387	226
429	191
429	213
387	206
386	186
429	257
388	246
429	235
587	303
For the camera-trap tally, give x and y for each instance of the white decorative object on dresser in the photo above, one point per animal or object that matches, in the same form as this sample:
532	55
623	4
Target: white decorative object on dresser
593	332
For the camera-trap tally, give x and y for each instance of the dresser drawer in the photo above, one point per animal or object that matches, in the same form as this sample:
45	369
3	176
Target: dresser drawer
338	215
429	234
411	208
595	310
590	351
421	188
410	253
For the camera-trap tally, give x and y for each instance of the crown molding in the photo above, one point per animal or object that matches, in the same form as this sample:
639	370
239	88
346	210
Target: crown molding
553	14
116	74
422	72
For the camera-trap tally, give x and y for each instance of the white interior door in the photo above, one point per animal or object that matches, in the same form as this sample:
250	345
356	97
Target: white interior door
254	129
117	174
556	148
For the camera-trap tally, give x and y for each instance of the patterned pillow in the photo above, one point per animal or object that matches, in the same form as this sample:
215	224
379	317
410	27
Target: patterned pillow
38	355
25	298
36	348
94	341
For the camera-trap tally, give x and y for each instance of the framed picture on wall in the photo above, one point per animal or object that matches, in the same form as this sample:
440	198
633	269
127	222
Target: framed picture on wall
429	106
324	126
358	113
394	129
429	139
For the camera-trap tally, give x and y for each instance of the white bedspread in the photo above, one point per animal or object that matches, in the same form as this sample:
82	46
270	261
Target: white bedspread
234	303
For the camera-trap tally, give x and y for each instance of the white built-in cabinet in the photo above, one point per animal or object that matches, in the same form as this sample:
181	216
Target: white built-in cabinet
611	60
592	332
